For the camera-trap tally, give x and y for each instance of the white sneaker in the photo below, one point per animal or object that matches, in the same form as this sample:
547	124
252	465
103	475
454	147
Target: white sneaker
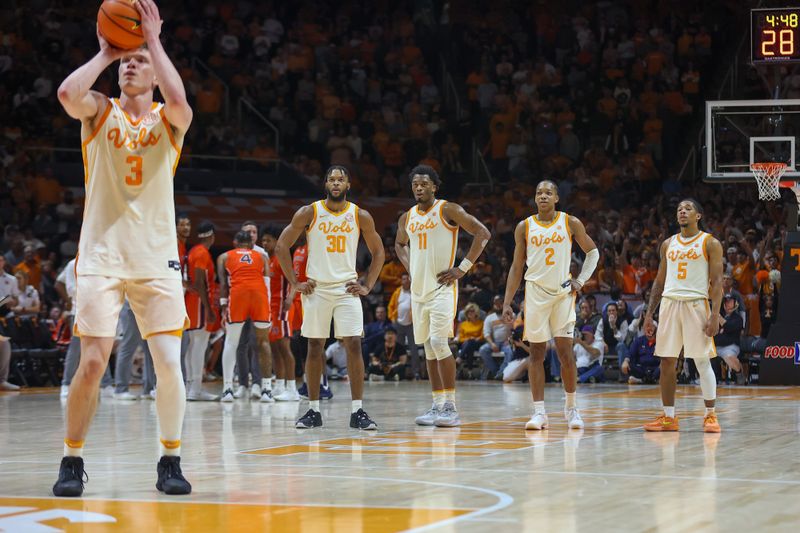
201	396
149	396
448	417
288	396
227	396
241	392
255	391
125	396
428	417
537	421
64	391
8	387
107	392
266	397
574	420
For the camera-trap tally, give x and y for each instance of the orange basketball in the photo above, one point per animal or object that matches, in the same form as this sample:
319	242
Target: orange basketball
120	24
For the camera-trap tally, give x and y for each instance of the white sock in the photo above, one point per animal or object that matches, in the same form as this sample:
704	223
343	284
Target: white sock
571	400
538	407
171	397
313	405
226	386
669	411
291	385
438	398
280	385
73	451
266	384
709	410
356	405
233	333
450	396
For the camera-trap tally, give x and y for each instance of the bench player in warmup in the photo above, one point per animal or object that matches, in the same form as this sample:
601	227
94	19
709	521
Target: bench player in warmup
333	227
544	247
689	273
243	296
128	245
426	242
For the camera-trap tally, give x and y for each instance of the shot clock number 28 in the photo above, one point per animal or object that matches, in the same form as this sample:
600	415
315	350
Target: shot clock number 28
774	34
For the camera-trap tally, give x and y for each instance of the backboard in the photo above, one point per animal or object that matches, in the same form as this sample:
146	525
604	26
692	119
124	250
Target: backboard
742	132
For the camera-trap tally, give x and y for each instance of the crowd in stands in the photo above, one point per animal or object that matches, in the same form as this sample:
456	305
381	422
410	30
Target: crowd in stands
596	101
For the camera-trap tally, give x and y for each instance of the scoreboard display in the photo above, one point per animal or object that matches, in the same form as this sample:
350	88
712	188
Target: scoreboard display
775	35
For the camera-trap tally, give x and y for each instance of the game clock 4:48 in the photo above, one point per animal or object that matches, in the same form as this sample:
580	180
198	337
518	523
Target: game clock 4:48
774	35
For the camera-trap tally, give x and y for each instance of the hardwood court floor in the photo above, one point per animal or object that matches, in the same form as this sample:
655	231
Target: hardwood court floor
252	471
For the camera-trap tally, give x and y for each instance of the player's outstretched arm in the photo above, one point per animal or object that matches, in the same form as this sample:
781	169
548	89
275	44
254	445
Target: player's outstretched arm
75	93
588	246
515	272
456	215
222	275
714	250
176	108
300	221
375	246
401	242
658	286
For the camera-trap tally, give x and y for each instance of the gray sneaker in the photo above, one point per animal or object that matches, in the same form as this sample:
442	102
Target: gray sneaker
427	418
448	417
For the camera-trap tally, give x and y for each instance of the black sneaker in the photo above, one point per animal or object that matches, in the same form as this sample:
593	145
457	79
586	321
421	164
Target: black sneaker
170	477
71	477
312	419
361	420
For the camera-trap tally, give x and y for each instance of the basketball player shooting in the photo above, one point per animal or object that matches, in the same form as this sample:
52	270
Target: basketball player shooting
128	245
544	246
332	291
427	237
690	270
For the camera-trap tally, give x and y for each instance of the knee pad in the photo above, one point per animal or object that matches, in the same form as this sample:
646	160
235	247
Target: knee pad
430	355
440	347
708	380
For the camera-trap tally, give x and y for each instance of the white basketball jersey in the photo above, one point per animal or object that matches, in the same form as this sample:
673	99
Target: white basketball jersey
332	244
687	268
549	252
128	227
432	248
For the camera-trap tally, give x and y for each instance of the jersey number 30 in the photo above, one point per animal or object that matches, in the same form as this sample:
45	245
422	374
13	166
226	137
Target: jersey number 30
335	244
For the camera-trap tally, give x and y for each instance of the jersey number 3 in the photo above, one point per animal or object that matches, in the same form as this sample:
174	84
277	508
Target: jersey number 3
135	177
335	244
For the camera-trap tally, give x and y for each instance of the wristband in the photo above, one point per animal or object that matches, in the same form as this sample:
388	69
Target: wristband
223	301
465	265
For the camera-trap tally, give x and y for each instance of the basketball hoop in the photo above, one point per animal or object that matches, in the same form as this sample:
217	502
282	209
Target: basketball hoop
768	177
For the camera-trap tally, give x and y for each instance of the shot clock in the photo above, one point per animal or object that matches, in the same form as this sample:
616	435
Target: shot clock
775	35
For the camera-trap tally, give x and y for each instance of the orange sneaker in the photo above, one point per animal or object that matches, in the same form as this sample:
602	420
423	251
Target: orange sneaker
662	423
711	424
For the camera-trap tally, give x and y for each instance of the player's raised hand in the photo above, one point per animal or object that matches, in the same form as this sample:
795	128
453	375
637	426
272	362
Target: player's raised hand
112	52
151	19
448	277
508	314
355	288
305	287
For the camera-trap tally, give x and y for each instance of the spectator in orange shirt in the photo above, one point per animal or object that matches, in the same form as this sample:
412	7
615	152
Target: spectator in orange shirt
31	266
497	147
391	274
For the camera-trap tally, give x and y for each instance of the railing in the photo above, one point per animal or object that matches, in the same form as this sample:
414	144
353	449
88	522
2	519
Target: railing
451	98
226	107
244	102
480	170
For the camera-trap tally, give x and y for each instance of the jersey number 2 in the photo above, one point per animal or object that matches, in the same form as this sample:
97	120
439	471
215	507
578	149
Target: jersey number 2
549	253
335	244
135	177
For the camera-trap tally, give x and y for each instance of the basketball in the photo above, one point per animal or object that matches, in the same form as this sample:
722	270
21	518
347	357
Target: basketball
120	24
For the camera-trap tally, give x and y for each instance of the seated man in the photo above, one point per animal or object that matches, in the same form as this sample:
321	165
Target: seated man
373	333
641	365
730	334
517	369
498	336
588	353
389	360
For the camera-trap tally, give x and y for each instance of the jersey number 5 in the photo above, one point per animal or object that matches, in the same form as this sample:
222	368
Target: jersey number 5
681	270
135	177
335	244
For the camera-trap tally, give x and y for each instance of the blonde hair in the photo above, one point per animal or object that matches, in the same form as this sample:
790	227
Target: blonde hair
472	307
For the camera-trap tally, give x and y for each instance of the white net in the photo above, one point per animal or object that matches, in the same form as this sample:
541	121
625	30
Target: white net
768	178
